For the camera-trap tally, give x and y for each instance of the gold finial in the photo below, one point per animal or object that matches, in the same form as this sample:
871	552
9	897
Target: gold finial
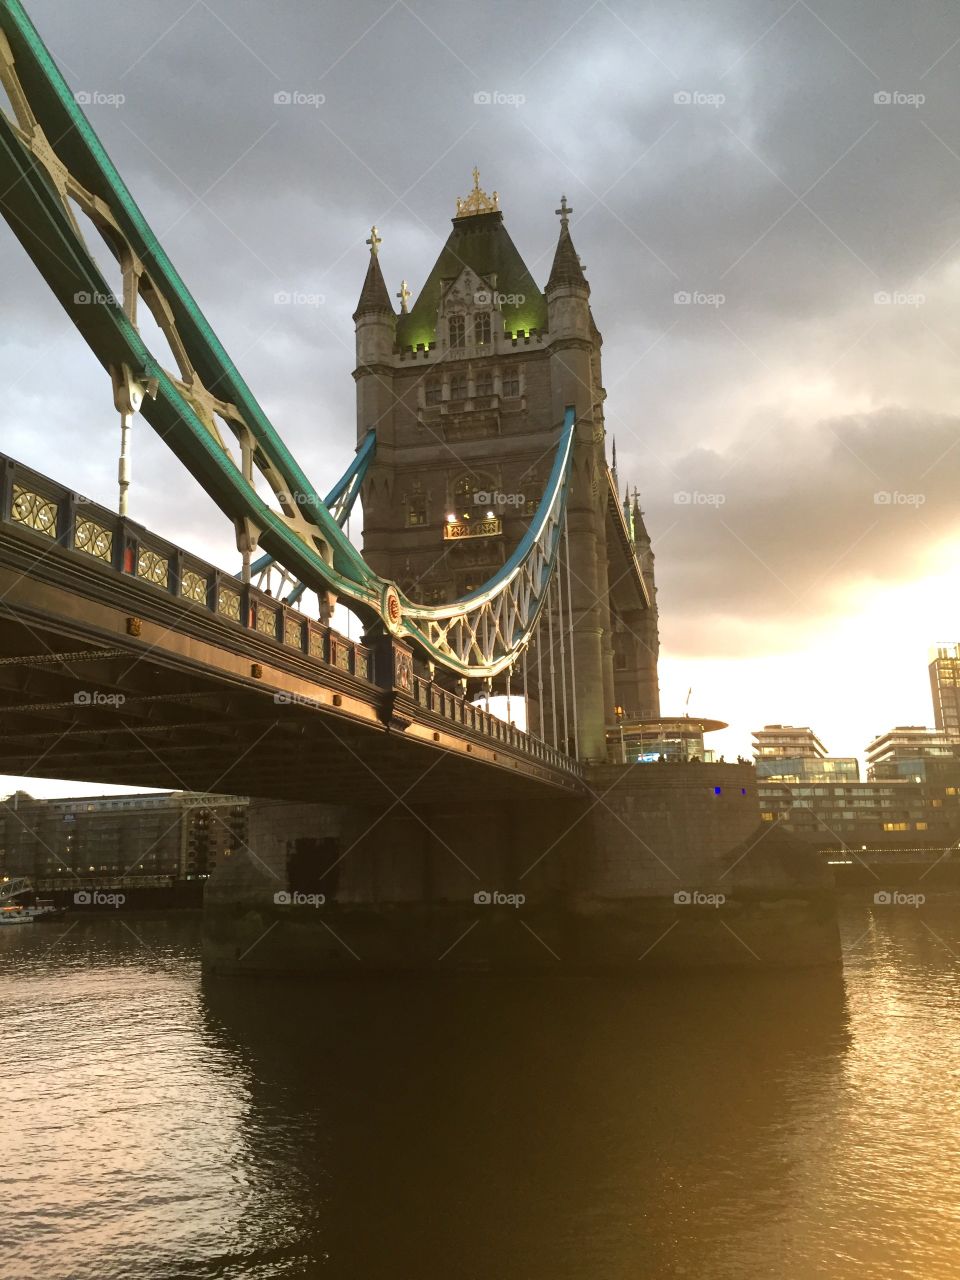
477	201
404	295
374	242
564	211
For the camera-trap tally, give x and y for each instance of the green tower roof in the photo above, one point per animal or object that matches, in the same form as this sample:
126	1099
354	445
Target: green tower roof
481	242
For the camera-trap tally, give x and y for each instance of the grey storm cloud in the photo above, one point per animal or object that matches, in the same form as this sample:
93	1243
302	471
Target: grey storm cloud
715	148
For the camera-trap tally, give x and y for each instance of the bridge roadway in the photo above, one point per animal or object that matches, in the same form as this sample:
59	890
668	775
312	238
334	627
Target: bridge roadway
126	660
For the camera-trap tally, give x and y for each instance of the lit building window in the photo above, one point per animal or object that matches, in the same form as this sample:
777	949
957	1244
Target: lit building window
457	330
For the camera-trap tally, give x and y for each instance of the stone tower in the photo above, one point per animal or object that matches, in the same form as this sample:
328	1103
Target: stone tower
466	390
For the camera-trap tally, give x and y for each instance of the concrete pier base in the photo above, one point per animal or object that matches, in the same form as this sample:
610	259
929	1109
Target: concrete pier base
659	866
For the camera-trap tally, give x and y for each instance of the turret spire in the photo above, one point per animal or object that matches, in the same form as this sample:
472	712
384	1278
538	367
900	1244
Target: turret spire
567	268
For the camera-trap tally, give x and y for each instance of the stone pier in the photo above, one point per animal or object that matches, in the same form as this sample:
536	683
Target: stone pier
664	866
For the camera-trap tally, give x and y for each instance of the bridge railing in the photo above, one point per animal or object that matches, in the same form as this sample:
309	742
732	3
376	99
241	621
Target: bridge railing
54	516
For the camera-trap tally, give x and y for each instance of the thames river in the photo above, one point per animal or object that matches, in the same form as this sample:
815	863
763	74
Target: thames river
719	1127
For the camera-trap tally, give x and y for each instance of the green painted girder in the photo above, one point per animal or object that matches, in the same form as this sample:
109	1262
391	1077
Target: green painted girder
319	553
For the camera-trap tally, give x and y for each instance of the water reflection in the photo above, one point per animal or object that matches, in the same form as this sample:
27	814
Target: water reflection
502	1128
712	1126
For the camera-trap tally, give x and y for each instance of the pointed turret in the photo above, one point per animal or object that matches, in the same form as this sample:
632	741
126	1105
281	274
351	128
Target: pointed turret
567	268
374	296
376	326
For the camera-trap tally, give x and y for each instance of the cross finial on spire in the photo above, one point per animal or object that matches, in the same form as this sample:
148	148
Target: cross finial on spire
476	178
564	211
374	241
404	295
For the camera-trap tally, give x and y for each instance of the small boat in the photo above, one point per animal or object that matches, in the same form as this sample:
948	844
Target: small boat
15	914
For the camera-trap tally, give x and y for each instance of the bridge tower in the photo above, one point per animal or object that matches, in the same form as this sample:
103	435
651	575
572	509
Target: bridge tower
466	389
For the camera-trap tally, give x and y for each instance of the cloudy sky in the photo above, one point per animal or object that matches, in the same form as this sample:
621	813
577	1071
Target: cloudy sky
791	168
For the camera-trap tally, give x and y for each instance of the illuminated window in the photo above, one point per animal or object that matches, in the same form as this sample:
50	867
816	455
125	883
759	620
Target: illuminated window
767	817
481	328
951	791
417	512
434	394
896	826
921	826
457	330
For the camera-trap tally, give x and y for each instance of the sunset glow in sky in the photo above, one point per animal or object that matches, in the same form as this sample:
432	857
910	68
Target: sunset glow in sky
793	428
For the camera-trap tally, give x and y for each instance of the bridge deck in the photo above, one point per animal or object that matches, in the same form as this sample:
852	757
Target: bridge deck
125	660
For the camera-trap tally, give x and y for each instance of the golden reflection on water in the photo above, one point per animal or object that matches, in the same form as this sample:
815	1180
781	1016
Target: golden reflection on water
740	1125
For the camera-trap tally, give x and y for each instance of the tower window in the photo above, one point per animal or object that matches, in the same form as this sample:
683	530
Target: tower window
458	385
457	329
484	384
481	328
511	385
433	391
417	512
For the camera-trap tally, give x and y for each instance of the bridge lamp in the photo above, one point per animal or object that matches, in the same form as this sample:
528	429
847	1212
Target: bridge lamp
451	518
489	515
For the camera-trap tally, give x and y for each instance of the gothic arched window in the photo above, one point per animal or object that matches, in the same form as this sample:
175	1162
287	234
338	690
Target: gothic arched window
481	328
457	330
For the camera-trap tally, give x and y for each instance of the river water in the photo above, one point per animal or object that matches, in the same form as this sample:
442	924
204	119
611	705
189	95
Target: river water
737	1126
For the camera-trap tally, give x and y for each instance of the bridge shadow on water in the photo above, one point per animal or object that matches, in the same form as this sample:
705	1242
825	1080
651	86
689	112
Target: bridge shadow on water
479	1127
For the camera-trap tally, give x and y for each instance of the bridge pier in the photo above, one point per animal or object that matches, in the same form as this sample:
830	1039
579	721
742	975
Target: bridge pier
660	867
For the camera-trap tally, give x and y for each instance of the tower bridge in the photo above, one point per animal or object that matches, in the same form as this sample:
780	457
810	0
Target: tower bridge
497	555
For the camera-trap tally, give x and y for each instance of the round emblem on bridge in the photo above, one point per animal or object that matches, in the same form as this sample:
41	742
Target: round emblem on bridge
392	610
